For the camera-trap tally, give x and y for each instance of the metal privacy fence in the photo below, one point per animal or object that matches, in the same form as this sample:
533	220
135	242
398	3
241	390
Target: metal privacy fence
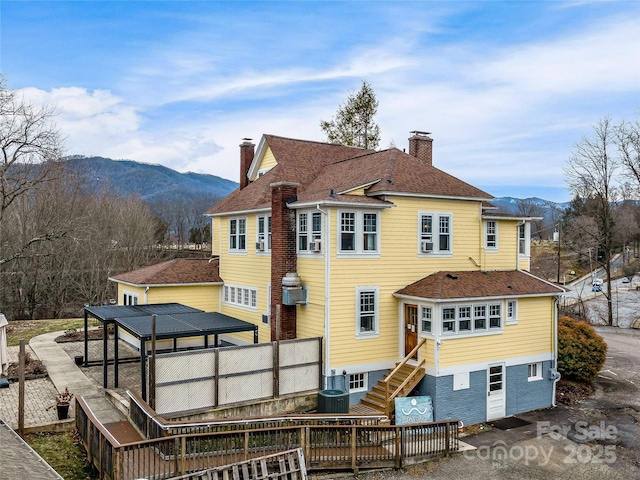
200	379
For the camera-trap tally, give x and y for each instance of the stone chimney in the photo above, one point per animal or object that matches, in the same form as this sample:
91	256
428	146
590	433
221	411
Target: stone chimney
421	146
246	157
284	258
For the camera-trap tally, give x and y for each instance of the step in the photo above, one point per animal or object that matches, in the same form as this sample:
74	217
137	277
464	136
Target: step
374	405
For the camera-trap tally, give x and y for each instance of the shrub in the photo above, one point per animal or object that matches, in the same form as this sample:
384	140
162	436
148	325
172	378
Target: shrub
581	351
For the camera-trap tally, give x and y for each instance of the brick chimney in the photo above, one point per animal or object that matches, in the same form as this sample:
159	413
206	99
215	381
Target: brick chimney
284	258
421	146
246	157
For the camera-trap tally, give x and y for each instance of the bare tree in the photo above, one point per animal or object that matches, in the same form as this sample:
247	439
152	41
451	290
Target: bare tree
628	142
30	150
591	174
528	207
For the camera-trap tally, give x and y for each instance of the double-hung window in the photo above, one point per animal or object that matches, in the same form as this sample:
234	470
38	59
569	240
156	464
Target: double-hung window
310	232
471	318
491	235
523	239
495	315
263	233
426	319
366	311
448	320
358	232
238	234
464	318
480	317
512	312
435	233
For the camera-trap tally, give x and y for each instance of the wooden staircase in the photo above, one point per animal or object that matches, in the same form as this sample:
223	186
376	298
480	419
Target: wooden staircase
398	383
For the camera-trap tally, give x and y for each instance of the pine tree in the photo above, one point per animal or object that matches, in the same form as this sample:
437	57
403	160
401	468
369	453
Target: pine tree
353	123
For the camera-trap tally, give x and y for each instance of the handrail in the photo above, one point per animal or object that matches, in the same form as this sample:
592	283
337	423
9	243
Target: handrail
406	380
388	378
167	425
325	447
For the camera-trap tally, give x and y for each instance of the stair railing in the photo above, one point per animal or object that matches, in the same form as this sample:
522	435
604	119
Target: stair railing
390	397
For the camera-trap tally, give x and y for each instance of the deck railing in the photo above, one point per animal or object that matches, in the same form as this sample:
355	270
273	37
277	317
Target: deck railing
151	425
351	447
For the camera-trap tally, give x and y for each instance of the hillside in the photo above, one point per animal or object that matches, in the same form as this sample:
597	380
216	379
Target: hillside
153	183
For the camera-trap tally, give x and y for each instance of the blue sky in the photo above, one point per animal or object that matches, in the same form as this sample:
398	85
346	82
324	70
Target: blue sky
506	88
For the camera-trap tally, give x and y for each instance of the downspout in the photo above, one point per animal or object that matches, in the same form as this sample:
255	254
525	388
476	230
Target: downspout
327	294
146	301
556	376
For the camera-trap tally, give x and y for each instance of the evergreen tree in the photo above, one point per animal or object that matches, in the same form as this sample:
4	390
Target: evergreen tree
353	123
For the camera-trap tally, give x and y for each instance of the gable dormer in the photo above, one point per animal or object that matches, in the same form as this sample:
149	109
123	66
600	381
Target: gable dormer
263	161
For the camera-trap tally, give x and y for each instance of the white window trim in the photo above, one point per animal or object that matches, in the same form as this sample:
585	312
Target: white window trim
538	375
430	319
311	235
364	380
511	320
131	296
263	237
358	234
230	297
435	235
493	248
237	235
457	333
376	314
527	240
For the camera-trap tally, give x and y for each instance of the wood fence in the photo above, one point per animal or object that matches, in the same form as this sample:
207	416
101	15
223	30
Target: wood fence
325	447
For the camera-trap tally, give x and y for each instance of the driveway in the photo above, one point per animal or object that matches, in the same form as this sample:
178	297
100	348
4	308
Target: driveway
599	438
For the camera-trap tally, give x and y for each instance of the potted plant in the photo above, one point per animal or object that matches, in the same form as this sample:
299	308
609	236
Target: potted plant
63	400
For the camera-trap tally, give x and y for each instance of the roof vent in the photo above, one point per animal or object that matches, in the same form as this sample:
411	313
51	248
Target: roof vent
291	279
452	276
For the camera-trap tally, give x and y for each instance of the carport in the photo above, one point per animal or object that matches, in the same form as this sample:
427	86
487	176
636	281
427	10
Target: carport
173	321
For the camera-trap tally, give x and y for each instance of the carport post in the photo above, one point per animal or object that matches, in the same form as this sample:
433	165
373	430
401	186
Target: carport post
143	366
115	355
152	364
86	338
105	338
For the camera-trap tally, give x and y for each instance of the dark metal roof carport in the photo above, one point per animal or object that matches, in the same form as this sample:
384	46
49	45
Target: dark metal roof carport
173	321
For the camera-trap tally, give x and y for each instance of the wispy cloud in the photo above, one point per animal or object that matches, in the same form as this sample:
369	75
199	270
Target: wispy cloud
183	82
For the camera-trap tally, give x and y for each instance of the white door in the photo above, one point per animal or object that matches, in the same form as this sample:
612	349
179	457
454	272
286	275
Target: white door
496	397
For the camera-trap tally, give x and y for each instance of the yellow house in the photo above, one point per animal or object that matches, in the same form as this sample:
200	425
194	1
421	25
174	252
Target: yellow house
389	259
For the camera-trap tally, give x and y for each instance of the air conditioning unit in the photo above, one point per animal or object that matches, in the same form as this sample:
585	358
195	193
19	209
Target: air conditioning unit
315	246
426	247
260	246
266	318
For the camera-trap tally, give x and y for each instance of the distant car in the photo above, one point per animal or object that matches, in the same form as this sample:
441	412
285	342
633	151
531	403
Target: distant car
626	280
597	285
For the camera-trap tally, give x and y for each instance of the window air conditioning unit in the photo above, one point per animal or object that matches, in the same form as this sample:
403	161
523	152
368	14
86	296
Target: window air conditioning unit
315	246
266	318
426	247
260	246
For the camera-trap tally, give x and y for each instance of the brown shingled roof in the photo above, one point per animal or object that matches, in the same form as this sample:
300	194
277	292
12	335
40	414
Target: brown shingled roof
299	161
177	271
320	168
476	284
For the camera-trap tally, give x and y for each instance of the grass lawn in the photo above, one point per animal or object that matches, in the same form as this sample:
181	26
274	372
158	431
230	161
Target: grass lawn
63	454
31	328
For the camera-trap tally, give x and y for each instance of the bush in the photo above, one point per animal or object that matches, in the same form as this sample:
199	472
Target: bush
581	351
